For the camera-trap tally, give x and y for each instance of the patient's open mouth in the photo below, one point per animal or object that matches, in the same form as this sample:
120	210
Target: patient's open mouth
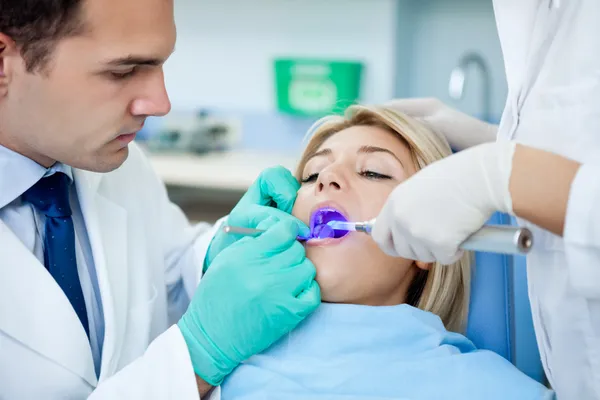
318	223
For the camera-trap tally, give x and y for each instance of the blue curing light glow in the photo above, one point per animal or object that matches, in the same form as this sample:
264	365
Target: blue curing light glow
323	232
318	224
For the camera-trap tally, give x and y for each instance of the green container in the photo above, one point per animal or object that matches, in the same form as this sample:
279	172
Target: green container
311	87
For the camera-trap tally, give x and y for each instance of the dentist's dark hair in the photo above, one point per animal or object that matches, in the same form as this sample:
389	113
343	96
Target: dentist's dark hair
36	26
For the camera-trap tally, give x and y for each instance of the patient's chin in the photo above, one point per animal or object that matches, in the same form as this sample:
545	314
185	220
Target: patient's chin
335	282
351	271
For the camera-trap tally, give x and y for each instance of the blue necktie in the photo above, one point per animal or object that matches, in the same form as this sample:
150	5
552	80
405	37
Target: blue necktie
50	196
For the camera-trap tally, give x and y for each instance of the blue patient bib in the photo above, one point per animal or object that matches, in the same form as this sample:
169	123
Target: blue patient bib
347	352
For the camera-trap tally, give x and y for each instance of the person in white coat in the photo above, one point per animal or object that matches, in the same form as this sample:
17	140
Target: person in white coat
544	169
99	271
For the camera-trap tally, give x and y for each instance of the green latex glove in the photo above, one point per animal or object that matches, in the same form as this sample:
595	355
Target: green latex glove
275	188
256	290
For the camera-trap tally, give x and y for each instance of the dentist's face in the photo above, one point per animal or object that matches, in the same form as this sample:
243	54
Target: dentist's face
84	107
354	171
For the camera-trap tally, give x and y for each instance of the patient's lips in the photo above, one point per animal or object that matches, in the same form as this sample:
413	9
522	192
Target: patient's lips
320	231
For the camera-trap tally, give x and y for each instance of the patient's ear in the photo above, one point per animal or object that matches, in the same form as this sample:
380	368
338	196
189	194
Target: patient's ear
426	266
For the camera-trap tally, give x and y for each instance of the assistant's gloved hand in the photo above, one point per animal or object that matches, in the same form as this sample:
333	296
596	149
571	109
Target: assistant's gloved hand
461	130
430	214
255	291
274	189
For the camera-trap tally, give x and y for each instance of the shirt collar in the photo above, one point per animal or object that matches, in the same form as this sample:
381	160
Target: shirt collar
18	173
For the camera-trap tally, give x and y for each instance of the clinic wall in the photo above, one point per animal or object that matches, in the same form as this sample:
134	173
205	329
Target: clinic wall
432	35
225	48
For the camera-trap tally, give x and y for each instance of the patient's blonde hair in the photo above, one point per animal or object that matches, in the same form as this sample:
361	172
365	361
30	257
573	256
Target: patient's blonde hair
443	290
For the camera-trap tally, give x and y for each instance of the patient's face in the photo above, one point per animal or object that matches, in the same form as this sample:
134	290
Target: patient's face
354	171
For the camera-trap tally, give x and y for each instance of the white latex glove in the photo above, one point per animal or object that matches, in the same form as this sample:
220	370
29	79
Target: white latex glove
429	215
461	130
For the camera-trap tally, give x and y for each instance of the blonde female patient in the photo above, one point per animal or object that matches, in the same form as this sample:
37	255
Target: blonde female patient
388	328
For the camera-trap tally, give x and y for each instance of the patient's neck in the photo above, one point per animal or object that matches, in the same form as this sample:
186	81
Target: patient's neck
367	290
384	298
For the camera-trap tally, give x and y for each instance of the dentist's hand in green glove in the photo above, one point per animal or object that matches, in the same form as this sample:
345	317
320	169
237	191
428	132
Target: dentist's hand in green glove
274	189
256	290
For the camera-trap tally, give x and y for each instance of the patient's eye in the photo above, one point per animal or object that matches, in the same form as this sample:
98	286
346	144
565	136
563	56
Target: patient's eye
310	178
374	175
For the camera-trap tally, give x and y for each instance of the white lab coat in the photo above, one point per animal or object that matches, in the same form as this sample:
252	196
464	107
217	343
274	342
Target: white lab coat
552	58
142	244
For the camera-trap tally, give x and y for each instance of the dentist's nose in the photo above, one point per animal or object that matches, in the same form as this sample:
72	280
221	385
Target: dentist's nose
154	101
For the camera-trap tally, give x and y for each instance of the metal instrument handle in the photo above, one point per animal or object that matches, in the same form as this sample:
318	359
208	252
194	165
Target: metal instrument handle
502	239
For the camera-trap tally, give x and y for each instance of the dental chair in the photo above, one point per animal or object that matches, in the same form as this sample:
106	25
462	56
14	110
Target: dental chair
499	315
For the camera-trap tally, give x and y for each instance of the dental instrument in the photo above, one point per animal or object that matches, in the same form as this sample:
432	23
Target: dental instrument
500	239
251	232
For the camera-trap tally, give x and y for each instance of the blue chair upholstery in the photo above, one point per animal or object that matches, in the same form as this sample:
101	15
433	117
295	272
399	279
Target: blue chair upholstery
500	315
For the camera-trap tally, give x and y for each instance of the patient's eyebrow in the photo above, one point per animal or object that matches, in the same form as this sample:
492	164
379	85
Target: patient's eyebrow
375	149
320	153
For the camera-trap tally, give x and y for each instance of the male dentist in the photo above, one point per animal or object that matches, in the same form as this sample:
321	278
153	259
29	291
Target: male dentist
98	270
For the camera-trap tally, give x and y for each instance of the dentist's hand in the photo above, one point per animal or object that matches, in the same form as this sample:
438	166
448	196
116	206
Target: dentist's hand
429	215
255	291
461	130
275	190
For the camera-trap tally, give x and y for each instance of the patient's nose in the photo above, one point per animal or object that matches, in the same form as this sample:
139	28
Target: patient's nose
330	180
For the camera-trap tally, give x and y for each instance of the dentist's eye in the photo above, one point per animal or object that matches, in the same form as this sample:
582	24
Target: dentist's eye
374	175
310	178
121	75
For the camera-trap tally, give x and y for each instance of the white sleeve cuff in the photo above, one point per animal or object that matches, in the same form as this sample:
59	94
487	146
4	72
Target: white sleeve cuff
165	371
175	350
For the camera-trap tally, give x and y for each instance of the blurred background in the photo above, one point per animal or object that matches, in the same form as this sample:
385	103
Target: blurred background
248	79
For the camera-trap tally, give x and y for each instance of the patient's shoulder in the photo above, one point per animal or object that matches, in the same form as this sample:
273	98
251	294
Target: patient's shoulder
495	373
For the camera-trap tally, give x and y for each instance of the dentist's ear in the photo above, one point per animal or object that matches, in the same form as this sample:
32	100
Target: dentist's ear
426	266
2	48
5	45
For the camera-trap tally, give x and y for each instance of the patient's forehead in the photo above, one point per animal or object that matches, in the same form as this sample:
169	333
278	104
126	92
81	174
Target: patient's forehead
353	138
